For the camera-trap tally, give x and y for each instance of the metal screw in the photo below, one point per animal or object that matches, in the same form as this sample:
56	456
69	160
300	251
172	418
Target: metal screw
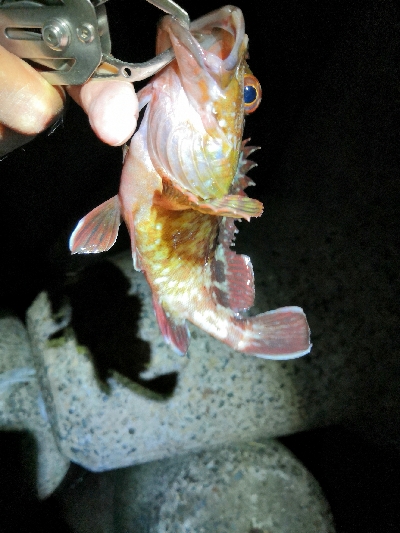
85	32
56	34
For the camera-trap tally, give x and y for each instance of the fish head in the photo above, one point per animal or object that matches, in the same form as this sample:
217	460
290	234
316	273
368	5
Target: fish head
212	71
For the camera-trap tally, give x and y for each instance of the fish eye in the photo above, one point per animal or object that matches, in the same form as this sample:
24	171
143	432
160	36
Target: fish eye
251	93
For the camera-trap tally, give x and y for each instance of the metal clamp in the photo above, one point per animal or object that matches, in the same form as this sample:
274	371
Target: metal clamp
71	41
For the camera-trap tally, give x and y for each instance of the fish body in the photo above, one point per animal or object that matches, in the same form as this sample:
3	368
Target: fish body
182	187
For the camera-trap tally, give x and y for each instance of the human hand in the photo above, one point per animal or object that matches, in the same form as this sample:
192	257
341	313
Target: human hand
29	105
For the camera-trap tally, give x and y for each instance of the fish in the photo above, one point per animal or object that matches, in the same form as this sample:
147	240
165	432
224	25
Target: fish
182	188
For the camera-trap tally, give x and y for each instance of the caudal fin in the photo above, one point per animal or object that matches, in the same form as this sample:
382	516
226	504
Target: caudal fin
279	334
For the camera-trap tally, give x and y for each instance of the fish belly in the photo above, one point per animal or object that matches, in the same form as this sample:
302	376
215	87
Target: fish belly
176	248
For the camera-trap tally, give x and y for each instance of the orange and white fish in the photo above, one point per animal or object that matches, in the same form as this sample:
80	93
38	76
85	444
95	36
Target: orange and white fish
182	188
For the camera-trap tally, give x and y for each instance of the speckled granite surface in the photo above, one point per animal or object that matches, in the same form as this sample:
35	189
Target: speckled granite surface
22	407
220	397
244	488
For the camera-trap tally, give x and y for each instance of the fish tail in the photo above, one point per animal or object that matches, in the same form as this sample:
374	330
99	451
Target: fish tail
279	334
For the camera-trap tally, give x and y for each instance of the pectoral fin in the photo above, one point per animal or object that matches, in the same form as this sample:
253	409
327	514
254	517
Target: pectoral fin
98	230
239	205
231	205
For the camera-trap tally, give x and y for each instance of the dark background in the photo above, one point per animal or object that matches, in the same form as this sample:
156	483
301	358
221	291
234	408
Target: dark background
328	127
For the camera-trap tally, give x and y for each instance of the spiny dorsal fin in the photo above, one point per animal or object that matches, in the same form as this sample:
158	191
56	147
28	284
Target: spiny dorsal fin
232	274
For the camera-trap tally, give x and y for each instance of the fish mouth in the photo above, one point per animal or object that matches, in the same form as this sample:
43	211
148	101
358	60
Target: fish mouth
226	28
216	42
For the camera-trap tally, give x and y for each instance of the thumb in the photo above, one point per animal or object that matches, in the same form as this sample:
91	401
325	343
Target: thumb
112	108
